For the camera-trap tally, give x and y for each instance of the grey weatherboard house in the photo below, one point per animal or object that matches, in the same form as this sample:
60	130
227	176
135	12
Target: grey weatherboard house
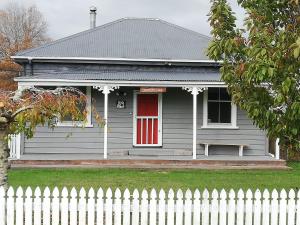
153	83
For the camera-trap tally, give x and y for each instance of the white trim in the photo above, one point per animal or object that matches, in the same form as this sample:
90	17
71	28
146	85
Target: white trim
65	82
206	125
277	149
117	59
134	140
88	117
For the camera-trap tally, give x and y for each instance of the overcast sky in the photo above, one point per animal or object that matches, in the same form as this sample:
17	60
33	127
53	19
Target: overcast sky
66	17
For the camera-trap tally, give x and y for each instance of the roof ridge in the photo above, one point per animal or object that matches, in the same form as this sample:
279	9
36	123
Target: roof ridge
185	29
71	36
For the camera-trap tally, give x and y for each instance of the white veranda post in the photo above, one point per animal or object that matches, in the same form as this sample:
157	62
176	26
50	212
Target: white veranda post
194	91
105	90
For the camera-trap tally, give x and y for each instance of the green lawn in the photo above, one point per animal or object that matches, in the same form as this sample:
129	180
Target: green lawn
133	178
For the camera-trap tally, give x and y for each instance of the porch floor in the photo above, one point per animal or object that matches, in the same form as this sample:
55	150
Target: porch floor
174	162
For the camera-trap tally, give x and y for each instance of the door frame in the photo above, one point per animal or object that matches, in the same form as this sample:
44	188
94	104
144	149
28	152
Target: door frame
159	142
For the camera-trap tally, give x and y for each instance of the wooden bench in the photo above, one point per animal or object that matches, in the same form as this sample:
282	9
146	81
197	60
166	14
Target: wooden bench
223	143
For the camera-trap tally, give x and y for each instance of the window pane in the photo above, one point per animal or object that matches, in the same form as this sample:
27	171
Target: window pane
213	112
224	94
225	112
213	93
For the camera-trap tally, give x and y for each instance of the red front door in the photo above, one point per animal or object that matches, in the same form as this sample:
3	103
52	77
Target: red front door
147	119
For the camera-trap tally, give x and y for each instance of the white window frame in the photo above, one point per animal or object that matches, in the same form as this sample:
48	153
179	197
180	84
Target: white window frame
206	125
88	122
159	143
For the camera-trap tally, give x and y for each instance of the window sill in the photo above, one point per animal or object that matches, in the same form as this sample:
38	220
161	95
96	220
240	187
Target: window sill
221	127
80	125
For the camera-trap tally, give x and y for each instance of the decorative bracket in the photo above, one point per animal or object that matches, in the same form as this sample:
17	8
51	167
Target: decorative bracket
194	90
106	89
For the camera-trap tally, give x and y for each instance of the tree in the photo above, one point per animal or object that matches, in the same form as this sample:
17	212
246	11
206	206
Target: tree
20	28
22	111
260	63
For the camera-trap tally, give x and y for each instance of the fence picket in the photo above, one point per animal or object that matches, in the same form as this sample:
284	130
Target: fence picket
161	208
144	207
205	208
282	207
91	207
37	204
108	207
10	213
266	207
188	208
117	207
153	203
179	208
274	208
64	204
249	207
231	208
55	206
135	208
19	206
2	205
126	208
100	207
291	207
257	207
73	207
170	208
46	206
82	207
196	208
298	209
214	208
223	208
240	208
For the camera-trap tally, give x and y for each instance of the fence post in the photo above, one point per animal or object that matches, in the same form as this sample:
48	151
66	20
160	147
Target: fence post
108	207
214	208
19	207
161	208
10	213
188	207
46	207
37	207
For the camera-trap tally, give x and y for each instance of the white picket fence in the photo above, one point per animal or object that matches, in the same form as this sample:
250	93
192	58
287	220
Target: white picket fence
171	208
14	145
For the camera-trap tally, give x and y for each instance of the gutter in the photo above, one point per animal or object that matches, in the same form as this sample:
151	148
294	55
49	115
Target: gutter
170	62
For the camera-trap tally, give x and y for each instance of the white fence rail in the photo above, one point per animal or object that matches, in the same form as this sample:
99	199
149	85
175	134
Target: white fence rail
28	207
14	145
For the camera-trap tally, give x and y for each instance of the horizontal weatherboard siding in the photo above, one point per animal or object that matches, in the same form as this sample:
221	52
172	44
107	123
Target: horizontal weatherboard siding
176	129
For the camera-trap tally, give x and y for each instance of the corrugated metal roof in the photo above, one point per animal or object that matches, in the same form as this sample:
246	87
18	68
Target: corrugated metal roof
199	74
130	38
